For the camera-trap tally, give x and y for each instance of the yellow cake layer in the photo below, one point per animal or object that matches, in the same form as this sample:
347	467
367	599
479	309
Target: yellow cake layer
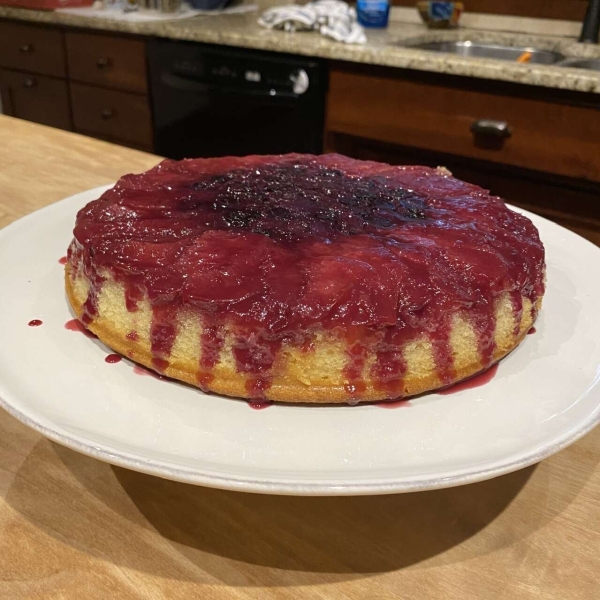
315	376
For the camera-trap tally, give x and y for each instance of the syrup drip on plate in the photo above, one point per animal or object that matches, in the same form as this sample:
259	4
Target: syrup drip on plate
473	382
35	323
77	325
62	260
111	359
259	404
139	370
393	404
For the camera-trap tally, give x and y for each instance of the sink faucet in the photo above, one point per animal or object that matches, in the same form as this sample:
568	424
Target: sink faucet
591	23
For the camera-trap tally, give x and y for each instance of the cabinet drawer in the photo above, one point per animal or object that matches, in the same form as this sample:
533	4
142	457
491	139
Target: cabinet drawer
35	98
109	61
544	135
116	115
31	48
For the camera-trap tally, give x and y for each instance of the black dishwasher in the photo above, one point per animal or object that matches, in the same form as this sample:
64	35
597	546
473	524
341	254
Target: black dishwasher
219	101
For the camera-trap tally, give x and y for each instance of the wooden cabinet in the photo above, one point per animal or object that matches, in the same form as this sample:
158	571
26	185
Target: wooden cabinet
35	98
93	83
111	114
109	88
531	131
108	61
31	48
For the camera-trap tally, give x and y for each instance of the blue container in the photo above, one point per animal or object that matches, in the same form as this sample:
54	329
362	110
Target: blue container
373	13
441	11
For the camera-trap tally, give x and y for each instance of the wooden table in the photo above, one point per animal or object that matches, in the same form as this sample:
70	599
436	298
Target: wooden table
73	527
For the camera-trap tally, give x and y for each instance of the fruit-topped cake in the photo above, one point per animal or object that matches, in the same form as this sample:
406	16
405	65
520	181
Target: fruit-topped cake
302	278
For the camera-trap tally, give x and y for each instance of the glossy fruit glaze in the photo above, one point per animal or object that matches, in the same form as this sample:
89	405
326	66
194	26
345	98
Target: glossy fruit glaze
274	249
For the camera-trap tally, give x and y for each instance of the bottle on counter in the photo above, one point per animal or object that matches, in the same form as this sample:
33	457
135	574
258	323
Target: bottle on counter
373	13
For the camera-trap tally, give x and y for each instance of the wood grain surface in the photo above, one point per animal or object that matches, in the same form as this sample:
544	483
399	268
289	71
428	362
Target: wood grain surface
73	527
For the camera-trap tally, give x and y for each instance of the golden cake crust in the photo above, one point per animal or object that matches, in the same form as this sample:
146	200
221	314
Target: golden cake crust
298	376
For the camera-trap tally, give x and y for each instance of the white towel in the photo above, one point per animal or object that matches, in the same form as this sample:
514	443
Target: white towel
332	18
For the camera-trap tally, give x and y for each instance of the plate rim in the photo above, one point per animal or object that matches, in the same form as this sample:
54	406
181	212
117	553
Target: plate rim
251	485
275	485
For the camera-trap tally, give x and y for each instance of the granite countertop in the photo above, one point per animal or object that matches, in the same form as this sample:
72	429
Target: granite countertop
384	47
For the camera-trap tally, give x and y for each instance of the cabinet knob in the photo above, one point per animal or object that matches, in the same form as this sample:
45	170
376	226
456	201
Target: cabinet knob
103	62
26	48
107	113
30	82
498	129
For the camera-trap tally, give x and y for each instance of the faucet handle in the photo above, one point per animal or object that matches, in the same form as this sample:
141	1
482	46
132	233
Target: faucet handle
591	23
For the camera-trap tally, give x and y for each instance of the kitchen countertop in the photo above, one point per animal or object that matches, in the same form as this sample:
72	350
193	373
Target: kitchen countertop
384	47
74	527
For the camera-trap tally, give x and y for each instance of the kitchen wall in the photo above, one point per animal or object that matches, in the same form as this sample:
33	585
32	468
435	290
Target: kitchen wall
573	10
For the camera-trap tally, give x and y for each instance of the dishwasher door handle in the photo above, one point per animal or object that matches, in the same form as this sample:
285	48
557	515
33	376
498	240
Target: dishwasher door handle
192	85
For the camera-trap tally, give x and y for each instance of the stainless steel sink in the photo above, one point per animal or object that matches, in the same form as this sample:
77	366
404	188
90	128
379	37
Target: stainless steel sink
483	50
592	64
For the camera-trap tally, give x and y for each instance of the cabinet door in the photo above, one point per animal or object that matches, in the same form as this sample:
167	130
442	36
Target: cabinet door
107	60
115	115
32	48
36	98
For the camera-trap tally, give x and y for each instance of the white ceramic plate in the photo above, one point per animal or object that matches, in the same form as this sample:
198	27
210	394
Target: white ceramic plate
544	396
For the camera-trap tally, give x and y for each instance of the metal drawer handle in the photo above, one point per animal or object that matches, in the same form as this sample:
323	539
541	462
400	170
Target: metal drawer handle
103	62
499	129
26	48
107	113
30	82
